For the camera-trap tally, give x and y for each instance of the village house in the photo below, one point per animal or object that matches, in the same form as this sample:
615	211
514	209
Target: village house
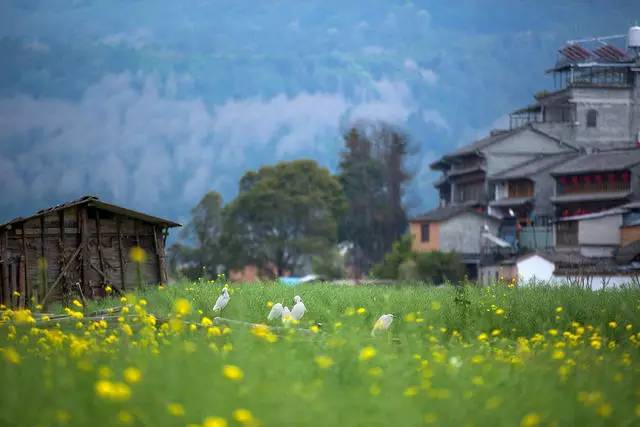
80	248
554	179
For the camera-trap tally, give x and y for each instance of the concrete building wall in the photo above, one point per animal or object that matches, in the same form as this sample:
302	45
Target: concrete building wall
603	231
417	245
544	189
462	233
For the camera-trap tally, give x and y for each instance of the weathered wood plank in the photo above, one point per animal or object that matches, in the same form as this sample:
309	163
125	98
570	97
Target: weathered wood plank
62	273
120	255
6	293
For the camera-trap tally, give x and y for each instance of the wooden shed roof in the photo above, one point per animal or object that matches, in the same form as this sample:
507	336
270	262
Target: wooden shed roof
94	201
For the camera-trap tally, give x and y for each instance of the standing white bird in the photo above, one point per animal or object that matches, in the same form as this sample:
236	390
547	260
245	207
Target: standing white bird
276	311
298	308
286	315
222	300
382	324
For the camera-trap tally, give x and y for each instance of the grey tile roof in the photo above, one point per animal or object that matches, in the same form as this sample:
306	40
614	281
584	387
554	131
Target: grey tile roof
532	167
588	197
444	213
600	162
511	201
483	143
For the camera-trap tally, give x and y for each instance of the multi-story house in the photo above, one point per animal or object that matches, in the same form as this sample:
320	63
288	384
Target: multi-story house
575	151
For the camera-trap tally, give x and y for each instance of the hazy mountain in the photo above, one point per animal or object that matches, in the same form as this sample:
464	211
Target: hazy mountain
150	103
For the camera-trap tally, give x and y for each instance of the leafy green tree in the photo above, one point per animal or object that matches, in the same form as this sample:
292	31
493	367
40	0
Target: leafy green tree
373	177
389	267
282	214
201	259
439	267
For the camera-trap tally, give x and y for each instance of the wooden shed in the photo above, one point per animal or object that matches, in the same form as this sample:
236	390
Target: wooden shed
78	248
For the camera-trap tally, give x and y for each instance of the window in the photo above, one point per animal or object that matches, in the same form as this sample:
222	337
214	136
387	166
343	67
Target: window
592	118
424	232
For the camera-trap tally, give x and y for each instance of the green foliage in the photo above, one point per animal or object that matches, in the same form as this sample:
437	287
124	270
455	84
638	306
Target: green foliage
429	366
283	213
330	265
439	267
433	267
389	267
373	177
204	229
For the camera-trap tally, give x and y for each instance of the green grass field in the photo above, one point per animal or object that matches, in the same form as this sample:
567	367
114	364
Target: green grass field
453	356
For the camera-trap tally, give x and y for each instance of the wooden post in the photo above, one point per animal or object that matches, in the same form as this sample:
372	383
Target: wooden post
100	245
61	244
84	239
122	272
21	286
25	262
162	272
43	260
6	292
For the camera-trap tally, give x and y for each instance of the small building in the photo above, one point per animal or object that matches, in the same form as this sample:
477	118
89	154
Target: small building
456	229
79	248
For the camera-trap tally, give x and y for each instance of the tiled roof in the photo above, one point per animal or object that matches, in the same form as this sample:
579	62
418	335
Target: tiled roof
444	213
534	166
600	162
511	201
588	197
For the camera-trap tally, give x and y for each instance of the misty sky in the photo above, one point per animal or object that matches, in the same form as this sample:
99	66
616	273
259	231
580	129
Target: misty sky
150	103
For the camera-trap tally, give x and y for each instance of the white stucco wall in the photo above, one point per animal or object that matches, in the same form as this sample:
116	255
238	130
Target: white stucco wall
594	282
535	268
600	231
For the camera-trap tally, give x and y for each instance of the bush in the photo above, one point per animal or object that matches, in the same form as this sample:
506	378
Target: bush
439	267
389	267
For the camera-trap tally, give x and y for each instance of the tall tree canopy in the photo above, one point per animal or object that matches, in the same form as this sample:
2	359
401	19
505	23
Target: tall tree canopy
373	177
203	256
282	214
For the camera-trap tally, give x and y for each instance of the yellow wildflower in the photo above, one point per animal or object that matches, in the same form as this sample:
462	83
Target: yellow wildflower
367	353
496	332
11	355
125	417
361	310
410	391
137	254
558	309
604	410
214	422
483	337
232	372
182	307
206	321
175	409
499	312
132	375
243	416
557	355
324	362
613	324
530	420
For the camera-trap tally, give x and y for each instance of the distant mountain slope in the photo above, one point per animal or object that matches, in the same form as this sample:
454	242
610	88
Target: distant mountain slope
150	103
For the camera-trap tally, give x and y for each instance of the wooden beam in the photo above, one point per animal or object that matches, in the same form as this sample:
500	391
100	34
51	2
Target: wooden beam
25	260
43	258
122	272
100	244
6	293
62	273
162	272
84	239
61	234
21	286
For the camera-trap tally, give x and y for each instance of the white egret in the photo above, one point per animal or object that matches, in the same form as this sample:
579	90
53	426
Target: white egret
222	300
286	315
298	308
382	324
276	311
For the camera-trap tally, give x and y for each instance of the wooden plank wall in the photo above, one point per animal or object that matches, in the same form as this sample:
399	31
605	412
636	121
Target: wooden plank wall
40	249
